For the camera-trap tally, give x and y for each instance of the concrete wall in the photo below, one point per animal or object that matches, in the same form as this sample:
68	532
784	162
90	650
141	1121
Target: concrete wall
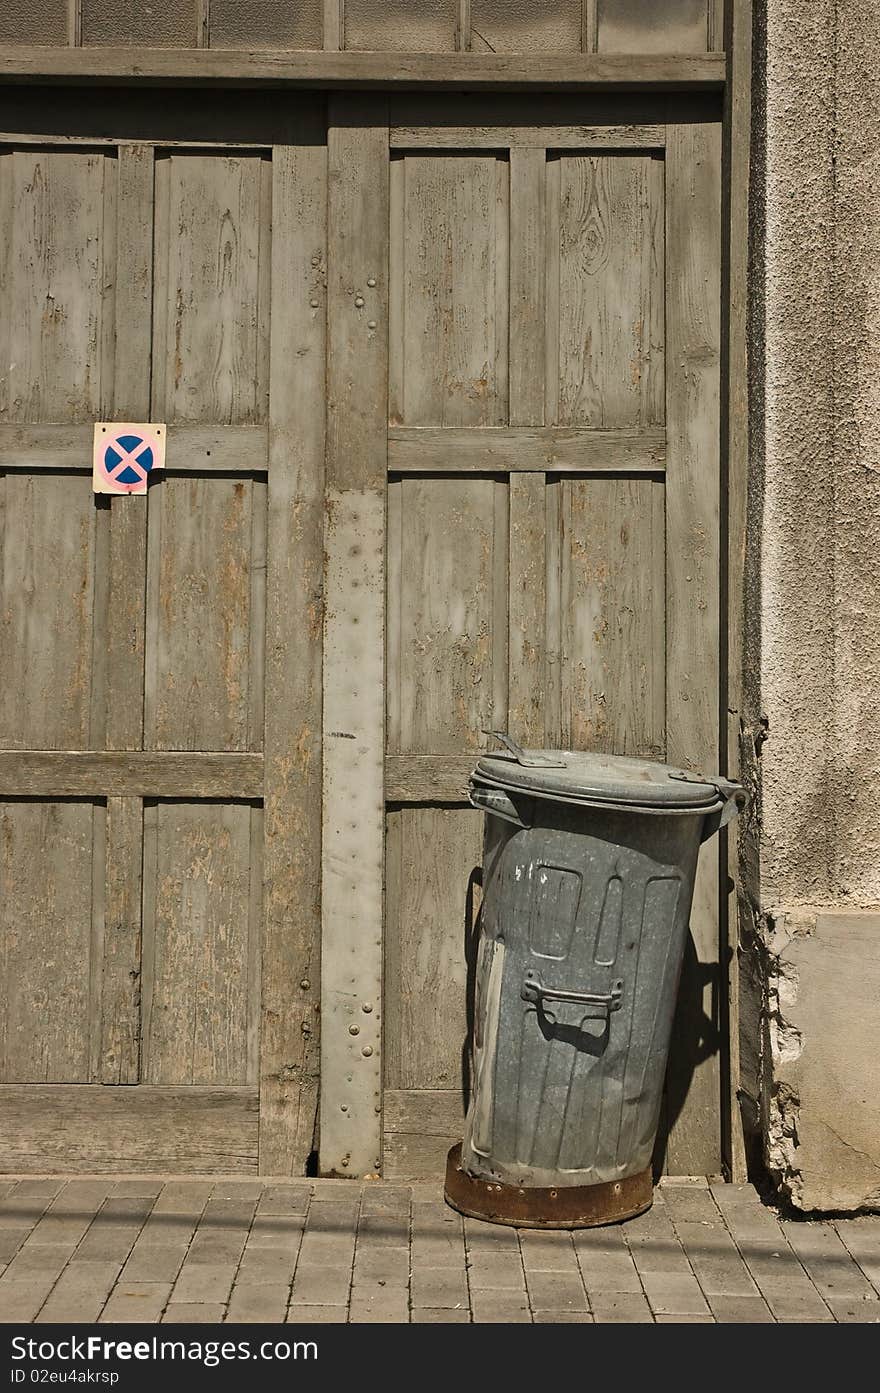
815	593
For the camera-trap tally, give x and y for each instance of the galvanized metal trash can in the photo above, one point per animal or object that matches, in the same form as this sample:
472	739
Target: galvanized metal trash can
588	875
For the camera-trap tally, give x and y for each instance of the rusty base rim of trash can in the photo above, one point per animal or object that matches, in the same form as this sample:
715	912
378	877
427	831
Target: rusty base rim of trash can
566	1207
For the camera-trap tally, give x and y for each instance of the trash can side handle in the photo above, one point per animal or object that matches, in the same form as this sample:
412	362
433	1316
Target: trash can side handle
496	802
533	989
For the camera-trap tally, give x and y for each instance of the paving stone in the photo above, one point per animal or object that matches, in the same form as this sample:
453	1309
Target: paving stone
11	1240
197	1312
729	1309
138	1302
60	1228
620	1307
388	1265
828	1263
562	1318
327	1249
489	1238
861	1237
212	1249
662	1318
849	1310
80	1292
204	1282
152	1263
21	1300
690	1204
45	1188
674	1293
386	1200
276	1231
284	1199
266	1266
729	1197
168	1230
383	1230
239	1192
187	1197
437	1234
771	1261
321	1286
715	1259
658	1252
440	1286
263	1303
547	1252
78	1196
800	1306
39	1260
425	1315
556	1291
497	1271
136	1188
114	1229
318	1315
499	1307
388	1306
605	1261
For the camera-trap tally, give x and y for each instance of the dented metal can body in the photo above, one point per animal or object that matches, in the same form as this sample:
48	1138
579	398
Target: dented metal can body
588	876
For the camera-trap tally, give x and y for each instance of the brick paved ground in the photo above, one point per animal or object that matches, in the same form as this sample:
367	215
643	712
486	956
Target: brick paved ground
102	1249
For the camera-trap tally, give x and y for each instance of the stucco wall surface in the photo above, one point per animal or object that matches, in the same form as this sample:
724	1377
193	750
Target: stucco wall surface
820	595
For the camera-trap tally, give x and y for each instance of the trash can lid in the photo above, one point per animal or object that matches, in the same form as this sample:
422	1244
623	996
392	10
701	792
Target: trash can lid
599	778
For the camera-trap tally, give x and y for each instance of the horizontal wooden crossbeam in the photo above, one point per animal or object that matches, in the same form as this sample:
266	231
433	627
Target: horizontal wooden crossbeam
144	774
501	449
190	449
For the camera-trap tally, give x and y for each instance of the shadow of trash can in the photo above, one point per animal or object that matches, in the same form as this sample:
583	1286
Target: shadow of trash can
589	863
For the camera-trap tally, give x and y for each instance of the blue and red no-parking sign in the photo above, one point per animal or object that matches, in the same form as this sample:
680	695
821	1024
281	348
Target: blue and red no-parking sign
125	454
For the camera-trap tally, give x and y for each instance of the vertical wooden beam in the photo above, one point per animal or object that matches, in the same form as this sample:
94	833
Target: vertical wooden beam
737	149
126	581
693	385
289	1059
528	314
354	636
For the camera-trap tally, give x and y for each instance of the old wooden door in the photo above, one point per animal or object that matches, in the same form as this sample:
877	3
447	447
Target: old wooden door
524	341
160	701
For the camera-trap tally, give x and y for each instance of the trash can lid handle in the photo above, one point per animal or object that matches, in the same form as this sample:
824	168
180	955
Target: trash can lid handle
530	761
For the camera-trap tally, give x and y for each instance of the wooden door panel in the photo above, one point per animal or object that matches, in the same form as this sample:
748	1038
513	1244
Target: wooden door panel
50	939
135	284
598	584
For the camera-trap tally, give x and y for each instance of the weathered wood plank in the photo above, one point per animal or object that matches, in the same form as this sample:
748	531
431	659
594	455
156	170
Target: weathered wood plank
693	313
394	70
527	608
188	449
527	137
448	616
528	314
610	291
129	774
127	578
428	778
57	286
207	363
47	582
291	951
432	1112
610	607
45	941
145	1130
499	450
120	999
527	501
196	991
414	1156
199	615
449	361
354	637
435	852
